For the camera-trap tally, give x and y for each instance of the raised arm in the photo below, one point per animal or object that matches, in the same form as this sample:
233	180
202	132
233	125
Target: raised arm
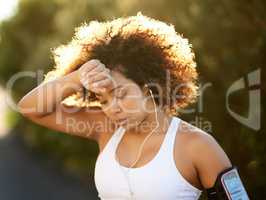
43	99
42	105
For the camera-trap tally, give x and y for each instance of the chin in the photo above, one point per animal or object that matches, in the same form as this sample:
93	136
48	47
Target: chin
127	125
133	124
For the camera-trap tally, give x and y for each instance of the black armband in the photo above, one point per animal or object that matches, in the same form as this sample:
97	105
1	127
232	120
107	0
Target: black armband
228	186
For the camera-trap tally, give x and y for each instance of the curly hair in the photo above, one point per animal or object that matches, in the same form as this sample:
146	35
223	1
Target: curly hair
146	48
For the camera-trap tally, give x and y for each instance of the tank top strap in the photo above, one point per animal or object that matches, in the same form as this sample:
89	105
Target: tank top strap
115	139
169	140
166	147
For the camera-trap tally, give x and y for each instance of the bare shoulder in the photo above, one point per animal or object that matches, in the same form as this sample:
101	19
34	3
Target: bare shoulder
104	137
206	155
195	137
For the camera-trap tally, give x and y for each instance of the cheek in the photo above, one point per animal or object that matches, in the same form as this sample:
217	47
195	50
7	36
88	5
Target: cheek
132	105
132	101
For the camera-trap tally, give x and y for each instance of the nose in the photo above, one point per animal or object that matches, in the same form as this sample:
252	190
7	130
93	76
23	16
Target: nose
115	108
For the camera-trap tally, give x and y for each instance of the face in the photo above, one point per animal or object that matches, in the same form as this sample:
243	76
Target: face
125	104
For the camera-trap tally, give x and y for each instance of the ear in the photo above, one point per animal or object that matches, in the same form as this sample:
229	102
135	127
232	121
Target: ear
145	89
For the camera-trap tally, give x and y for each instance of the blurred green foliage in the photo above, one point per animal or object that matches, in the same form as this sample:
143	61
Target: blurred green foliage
228	37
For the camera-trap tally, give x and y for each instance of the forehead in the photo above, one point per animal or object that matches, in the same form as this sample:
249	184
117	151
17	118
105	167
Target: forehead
118	76
120	81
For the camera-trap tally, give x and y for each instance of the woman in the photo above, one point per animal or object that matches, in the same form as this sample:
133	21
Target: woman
146	151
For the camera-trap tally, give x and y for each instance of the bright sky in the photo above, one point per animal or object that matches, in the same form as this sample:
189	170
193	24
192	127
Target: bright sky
7	8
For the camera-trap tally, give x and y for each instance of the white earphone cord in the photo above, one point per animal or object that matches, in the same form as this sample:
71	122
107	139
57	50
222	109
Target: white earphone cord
140	150
128	182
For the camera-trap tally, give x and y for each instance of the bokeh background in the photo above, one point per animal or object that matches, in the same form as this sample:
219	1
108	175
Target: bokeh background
229	40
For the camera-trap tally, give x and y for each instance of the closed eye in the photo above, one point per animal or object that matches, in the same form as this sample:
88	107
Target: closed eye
121	94
103	102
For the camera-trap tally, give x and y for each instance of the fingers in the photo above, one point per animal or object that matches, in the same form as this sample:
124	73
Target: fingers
96	77
99	68
87	69
91	78
88	66
91	64
102	83
98	71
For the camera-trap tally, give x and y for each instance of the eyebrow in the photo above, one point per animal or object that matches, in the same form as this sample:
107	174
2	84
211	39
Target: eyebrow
112	90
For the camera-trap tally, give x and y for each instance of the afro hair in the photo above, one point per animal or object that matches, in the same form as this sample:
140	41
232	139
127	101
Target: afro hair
147	49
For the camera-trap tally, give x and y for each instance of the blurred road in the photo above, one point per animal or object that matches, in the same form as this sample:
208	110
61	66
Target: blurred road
23	177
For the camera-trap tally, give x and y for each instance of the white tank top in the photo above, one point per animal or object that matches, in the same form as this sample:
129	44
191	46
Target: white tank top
159	179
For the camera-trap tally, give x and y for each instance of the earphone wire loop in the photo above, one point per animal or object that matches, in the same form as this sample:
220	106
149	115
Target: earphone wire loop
141	147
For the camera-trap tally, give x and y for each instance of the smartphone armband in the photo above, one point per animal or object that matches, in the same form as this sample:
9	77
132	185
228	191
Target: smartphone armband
228	186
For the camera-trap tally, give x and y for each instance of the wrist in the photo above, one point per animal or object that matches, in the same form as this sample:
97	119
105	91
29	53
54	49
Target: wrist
75	77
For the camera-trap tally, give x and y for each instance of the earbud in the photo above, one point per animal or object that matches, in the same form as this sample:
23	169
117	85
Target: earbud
155	109
150	91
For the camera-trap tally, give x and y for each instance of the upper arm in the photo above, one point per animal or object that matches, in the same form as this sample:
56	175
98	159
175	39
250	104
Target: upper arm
209	160
83	122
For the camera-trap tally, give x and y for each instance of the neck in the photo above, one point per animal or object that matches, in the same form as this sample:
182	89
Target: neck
150	123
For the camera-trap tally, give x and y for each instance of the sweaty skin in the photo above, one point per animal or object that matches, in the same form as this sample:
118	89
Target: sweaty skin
198	156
